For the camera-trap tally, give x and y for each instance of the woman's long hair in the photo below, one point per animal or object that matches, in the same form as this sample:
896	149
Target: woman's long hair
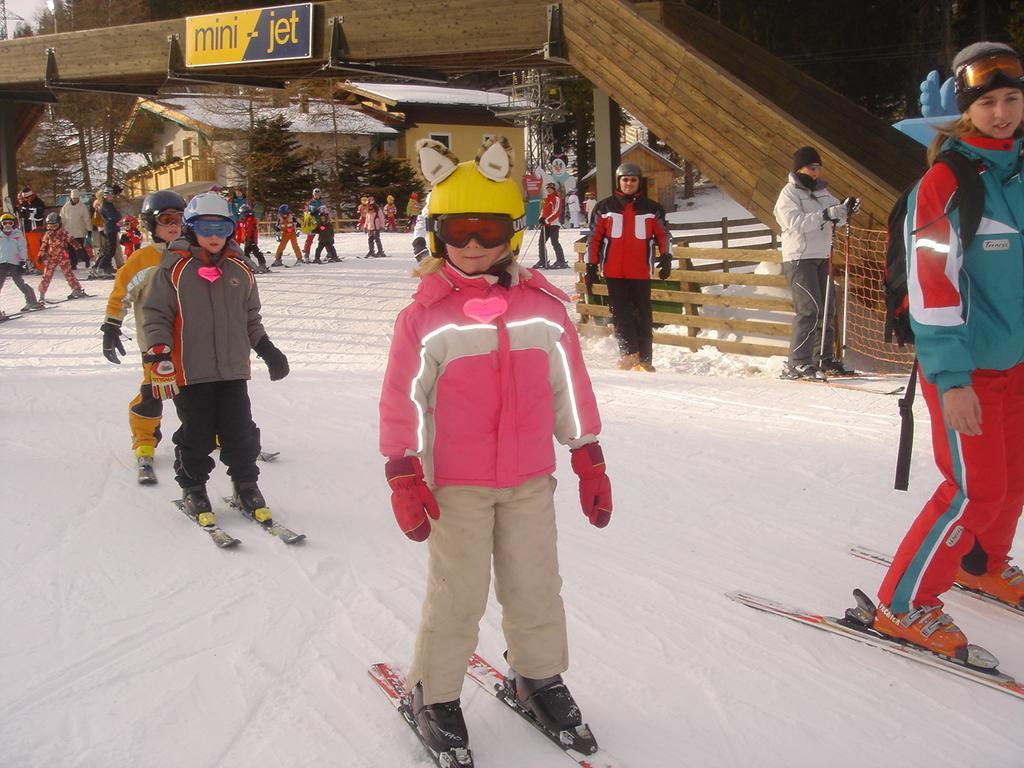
962	126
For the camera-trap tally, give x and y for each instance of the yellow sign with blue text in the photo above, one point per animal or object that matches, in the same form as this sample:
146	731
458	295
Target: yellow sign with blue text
259	34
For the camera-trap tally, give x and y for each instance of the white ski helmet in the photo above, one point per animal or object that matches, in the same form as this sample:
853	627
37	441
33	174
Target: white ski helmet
207	204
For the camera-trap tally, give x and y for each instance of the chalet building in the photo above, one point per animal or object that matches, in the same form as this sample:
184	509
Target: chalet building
459	118
191	139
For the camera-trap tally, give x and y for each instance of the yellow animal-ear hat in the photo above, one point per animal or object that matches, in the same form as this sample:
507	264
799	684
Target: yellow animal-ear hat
475	186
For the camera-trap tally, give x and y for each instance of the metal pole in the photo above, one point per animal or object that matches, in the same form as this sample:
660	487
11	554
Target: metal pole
846	289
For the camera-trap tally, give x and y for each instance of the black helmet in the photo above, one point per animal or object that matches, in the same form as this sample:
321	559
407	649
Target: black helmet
53	218
156	203
627	169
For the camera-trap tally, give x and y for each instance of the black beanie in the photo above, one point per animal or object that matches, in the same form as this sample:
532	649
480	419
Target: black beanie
805	156
973	52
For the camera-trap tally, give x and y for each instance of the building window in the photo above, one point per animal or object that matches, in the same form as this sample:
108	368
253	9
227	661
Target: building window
169	151
186	147
444	138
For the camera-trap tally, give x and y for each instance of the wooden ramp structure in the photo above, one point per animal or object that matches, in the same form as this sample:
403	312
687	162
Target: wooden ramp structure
722	102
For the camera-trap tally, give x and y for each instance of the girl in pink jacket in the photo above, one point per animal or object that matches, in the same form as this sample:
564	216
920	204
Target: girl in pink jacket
485	368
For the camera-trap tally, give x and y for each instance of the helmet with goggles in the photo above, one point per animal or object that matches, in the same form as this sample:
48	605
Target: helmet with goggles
8	218
475	200
983	67
161	207
208	215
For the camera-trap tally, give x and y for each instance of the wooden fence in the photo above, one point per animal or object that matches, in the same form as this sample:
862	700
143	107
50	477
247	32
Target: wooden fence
681	302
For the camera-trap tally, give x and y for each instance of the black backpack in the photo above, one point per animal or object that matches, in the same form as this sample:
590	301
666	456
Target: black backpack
969	199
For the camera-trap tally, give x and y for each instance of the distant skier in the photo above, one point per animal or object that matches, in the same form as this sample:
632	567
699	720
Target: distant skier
412	209
54	254
161	215
373	223
325	238
288	226
485	364
201	318
391	215
13	257
104	265
625	228
808	213
247	235
965	311
131	237
77	219
572	208
551	224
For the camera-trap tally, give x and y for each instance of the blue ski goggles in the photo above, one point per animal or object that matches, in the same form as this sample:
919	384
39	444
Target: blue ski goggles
223	228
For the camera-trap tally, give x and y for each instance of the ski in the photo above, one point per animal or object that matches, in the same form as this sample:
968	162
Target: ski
880	558
14	316
579	744
392	681
220	537
853	630
269	455
287	535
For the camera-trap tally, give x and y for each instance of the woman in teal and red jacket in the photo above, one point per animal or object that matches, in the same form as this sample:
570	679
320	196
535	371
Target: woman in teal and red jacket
967	313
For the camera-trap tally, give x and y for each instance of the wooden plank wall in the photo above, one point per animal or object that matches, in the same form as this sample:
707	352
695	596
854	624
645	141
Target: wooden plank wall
679	301
735	122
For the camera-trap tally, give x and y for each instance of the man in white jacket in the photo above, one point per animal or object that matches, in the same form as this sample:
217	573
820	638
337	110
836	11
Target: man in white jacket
76	218
808	215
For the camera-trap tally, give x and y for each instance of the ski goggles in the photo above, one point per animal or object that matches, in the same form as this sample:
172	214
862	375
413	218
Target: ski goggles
489	229
8	223
169	218
981	73
213	227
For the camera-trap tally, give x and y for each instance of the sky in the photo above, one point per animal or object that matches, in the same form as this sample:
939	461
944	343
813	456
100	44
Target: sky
27	9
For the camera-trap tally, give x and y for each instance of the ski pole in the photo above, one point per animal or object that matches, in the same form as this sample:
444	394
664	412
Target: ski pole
824	309
846	288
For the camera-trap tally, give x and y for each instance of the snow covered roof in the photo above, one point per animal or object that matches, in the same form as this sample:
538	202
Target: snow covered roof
427	94
229	114
626	148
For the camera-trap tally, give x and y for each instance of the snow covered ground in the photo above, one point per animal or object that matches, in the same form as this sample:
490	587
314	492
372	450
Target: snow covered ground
129	641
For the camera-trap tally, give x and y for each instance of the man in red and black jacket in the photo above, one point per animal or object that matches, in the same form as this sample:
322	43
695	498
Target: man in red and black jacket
626	228
551	221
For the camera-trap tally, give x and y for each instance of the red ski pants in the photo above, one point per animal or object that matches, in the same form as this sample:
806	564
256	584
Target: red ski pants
979	500
63	261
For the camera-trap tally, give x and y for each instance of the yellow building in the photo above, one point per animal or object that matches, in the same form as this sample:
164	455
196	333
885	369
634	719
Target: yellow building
457	117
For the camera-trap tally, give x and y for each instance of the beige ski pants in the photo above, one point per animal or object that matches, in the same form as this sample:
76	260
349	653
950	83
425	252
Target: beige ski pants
515	527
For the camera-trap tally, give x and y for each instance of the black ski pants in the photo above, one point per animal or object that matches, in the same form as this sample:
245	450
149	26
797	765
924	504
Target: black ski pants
253	251
630	302
209	410
372	241
551	233
808	279
13	271
329	247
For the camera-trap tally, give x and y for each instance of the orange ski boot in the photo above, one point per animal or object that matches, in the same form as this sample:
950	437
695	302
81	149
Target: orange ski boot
926	627
1005	583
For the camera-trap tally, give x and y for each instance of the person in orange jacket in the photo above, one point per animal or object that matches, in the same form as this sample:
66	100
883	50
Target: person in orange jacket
288	236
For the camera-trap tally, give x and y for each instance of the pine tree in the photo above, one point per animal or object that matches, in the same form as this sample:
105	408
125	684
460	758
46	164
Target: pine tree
350	179
387	175
280	168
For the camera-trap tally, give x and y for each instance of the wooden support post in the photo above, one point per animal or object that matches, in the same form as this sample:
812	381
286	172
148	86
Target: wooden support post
685	262
606	141
8	157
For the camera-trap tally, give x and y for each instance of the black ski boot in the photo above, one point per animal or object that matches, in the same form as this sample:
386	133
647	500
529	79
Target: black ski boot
441	725
549	702
249	499
197	505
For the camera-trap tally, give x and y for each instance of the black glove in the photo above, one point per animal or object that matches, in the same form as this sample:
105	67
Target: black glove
836	213
419	248
276	362
852	205
664	266
112	340
590	277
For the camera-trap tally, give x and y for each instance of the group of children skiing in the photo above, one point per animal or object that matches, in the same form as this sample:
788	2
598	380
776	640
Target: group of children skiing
485	368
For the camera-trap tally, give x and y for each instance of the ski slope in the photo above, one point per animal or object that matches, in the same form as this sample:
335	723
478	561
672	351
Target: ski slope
129	641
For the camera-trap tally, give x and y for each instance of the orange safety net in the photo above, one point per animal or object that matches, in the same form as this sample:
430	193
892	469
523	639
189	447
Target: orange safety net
863	253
